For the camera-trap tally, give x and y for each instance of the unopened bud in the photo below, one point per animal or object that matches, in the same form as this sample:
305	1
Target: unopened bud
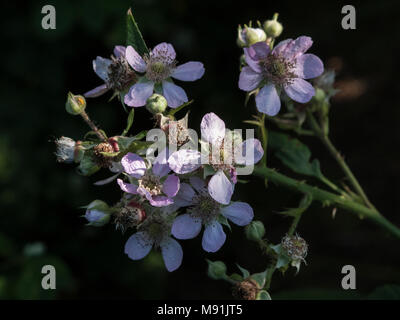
249	36
97	213
68	150
216	270
75	104
255	231
273	28
319	96
156	103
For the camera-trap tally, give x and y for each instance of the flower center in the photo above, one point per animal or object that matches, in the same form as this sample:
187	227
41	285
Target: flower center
278	69
222	157
205	207
151	183
129	216
120	75
159	67
157	228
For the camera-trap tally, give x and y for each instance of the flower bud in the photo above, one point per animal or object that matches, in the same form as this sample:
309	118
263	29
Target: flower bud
319	96
216	270
156	103
68	151
249	36
273	28
97	213
255	231
75	104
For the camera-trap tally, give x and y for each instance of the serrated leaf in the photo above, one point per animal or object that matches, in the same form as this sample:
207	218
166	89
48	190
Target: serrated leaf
244	272
134	37
295	155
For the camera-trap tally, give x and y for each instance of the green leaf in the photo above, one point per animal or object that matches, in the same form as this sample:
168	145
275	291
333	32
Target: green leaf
173	111
295	155
129	122
134	36
263	295
245	272
125	142
236	277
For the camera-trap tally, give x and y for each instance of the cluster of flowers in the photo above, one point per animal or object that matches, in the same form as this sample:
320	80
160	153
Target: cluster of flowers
175	195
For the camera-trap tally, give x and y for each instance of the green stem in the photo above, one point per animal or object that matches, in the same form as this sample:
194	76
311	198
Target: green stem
339	159
326	197
294	224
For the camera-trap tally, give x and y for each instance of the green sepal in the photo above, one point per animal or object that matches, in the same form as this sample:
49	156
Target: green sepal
244	271
87	166
129	122
263	295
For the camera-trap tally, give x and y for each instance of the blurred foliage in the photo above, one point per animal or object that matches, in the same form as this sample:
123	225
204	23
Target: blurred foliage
39	198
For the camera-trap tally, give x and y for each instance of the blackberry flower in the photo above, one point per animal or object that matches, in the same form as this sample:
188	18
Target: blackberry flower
204	210
283	68
158	67
155	184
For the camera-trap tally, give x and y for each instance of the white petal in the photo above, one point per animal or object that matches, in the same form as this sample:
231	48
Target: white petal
184	161
212	129
220	188
239	213
172	254
138	246
214	237
189	71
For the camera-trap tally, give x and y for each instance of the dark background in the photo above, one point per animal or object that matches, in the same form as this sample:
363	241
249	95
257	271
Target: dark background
40	220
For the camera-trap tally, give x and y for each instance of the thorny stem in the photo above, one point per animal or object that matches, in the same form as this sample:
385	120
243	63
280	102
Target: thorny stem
90	123
327	198
339	158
